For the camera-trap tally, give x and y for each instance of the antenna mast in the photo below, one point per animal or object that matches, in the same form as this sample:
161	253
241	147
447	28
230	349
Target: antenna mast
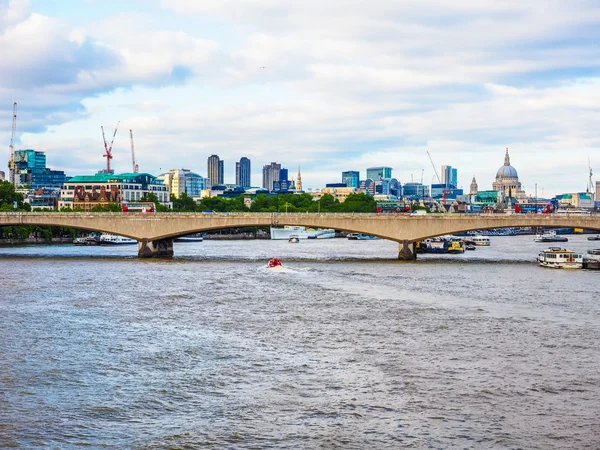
136	168
108	149
12	172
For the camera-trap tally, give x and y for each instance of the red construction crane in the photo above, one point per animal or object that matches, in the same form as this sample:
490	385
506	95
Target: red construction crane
136	168
108	155
12	172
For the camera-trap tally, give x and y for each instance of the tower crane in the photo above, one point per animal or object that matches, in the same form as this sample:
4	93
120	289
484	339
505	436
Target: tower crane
438	178
590	185
12	170
136	168
108	155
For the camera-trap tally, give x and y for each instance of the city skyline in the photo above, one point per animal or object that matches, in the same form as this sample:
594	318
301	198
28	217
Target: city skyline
331	96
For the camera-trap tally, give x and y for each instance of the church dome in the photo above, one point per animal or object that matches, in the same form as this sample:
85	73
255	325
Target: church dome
507	171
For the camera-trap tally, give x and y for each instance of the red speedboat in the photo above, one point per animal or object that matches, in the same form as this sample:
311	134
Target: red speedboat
274	263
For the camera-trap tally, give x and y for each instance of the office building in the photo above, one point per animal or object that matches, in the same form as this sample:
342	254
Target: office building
414	190
271	173
449	176
377	173
30	168
179	181
215	170
351	178
242	173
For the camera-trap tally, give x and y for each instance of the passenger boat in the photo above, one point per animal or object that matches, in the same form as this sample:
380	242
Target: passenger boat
294	239
302	233
594	238
481	240
549	236
275	264
361	237
433	245
197	237
113	239
591	260
560	258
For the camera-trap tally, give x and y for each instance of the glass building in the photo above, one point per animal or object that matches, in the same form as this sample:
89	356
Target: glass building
376	173
351	178
31	170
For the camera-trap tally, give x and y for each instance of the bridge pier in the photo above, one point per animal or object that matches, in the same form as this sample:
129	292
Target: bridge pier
155	249
407	251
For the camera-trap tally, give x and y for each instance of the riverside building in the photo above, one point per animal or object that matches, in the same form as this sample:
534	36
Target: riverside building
86	191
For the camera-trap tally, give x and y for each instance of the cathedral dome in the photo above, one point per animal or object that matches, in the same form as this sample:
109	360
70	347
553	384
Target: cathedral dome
507	171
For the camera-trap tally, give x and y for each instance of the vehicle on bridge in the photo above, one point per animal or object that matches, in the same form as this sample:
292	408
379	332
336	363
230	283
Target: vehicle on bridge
138	207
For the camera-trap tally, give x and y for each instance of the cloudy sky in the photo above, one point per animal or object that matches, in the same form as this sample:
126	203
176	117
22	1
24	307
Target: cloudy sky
325	85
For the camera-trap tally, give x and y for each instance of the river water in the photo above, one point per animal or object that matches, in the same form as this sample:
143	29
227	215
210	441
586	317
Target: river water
347	348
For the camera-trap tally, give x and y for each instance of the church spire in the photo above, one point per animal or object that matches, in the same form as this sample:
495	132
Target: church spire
506	158
299	181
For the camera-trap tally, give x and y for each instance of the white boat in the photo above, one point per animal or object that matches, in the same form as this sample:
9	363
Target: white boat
301	232
549	236
82	240
361	237
591	260
190	238
560	258
481	240
113	239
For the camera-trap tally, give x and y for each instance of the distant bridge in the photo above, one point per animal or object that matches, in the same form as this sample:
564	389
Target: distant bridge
155	232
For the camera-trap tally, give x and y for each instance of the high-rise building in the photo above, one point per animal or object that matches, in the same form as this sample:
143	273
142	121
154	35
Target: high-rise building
351	178
376	173
221	171
215	170
30	168
271	174
2	175
449	176
242	172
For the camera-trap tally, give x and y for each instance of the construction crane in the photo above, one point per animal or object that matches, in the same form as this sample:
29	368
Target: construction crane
12	169
108	155
136	168
438	178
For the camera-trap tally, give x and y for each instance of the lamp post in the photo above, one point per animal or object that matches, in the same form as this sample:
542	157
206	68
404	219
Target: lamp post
536	200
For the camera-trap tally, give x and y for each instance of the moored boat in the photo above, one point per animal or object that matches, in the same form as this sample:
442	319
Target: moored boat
591	260
302	233
560	258
594	238
470	247
196	237
81	240
361	237
113	239
456	246
294	239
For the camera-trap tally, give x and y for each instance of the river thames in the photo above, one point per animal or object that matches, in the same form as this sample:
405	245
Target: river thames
347	348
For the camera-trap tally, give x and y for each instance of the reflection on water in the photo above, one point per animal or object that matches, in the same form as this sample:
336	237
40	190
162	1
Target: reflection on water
347	348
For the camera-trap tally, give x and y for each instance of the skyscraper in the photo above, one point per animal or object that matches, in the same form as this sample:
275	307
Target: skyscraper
351	178
376	173
215	170
449	176
271	174
242	172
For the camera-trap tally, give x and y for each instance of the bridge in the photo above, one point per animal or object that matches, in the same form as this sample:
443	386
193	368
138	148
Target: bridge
155	232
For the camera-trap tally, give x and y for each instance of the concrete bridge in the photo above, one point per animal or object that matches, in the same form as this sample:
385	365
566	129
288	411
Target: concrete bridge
155	232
